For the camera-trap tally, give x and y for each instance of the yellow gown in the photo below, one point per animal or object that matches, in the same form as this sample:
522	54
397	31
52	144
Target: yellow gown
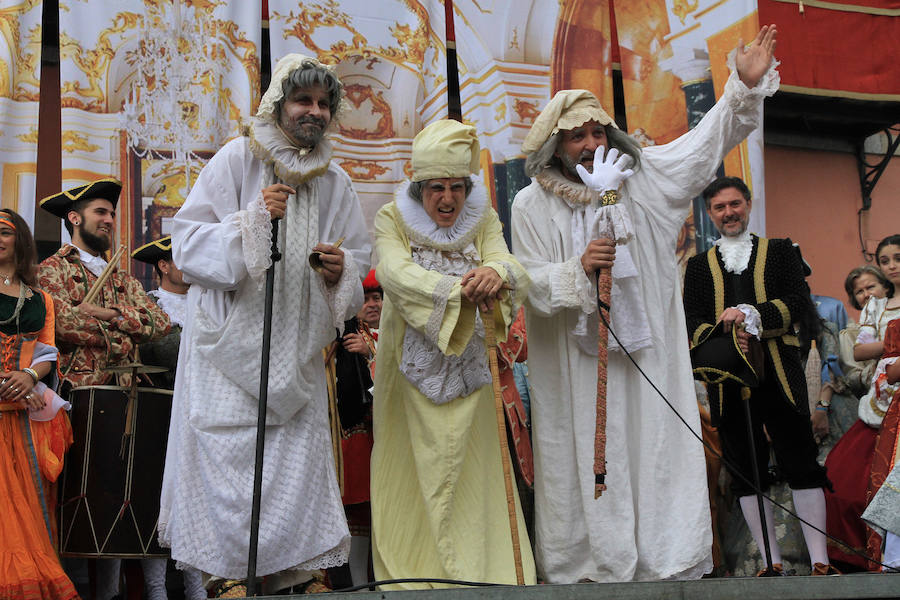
439	506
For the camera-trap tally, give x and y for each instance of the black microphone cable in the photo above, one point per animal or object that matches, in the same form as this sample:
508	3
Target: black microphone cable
601	306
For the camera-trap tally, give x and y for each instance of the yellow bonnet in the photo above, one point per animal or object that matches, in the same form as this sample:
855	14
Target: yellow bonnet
446	148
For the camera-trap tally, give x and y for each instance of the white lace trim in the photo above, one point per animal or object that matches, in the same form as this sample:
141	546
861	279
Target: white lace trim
255	224
294	166
440	377
420	228
440	295
735	251
174	304
752	319
745	102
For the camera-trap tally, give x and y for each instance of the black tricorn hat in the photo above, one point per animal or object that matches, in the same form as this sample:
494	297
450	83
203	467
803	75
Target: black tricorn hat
155	251
60	204
717	358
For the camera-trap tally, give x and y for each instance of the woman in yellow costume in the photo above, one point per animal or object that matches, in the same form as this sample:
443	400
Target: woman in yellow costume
439	506
34	432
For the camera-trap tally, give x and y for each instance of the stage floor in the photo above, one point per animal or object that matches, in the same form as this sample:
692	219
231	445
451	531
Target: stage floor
855	586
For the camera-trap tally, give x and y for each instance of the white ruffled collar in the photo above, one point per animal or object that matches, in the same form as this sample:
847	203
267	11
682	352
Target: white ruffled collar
419	227
174	305
292	165
735	251
576	195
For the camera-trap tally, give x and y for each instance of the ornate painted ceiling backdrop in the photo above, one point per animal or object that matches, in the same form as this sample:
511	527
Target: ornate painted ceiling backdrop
151	89
20	75
512	55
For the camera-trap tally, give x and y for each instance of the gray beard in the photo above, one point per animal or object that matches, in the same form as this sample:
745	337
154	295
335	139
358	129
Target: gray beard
300	135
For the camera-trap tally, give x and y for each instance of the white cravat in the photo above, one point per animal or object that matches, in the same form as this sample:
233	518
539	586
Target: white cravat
735	251
94	264
174	304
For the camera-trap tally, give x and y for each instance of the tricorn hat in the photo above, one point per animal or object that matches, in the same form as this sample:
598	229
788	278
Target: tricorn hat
155	251
60	204
717	358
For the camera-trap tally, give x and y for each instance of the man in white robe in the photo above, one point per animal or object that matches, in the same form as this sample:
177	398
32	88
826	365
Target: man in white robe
653	521
221	240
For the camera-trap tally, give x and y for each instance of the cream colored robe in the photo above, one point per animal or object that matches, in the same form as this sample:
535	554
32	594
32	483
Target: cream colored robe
438	499
653	522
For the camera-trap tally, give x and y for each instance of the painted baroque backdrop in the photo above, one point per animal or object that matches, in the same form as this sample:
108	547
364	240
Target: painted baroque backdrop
152	88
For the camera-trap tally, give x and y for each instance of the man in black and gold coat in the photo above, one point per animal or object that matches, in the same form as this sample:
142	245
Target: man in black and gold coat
757	285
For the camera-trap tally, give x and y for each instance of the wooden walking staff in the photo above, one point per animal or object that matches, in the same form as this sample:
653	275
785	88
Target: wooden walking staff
608	201
490	340
604	288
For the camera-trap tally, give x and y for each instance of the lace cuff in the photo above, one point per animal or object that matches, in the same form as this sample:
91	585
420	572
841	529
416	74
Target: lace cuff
571	285
255	224
744	101
342	295
440	296
752	320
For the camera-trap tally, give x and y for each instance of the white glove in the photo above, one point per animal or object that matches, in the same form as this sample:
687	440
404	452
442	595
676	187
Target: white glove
609	173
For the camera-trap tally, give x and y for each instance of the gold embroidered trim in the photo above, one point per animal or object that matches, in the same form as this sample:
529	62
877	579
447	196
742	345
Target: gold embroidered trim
873	403
759	270
779	369
718	280
698	333
785	319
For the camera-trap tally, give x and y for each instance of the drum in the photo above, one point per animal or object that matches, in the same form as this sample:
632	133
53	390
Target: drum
111	481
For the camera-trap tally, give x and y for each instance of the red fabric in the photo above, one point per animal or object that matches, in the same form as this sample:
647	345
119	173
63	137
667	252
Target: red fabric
849	464
836	50
513	350
357	450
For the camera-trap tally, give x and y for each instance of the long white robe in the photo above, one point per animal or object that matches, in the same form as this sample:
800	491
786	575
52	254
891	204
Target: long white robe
208	483
653	522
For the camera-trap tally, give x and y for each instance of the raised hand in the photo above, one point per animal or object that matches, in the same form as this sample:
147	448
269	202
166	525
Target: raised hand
753	61
608	172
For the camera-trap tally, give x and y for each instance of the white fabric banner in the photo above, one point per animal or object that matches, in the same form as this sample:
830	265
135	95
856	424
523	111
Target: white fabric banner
512	56
150	90
20	76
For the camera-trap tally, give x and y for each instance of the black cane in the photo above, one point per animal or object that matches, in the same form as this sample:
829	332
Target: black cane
261	417
770	571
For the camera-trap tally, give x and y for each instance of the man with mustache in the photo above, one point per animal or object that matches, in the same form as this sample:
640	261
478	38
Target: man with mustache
221	240
653	521
103	333
757	285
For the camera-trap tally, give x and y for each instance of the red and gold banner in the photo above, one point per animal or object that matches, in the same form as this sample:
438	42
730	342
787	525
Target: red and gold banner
847	48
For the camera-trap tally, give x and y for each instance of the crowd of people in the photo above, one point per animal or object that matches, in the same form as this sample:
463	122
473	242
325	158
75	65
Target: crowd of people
383	456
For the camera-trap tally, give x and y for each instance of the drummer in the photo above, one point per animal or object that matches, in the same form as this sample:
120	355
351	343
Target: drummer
103	333
172	297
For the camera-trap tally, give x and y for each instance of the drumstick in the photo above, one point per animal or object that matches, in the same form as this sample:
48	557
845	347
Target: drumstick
101	280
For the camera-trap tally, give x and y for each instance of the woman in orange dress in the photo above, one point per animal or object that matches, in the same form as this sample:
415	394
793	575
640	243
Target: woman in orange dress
34	432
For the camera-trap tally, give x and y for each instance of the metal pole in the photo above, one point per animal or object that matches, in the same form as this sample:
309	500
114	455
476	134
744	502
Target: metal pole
261	417
756	482
454	104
